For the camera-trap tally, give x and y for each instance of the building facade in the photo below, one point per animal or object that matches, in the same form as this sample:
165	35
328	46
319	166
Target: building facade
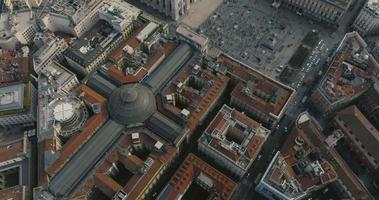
327	11
367	21
170	8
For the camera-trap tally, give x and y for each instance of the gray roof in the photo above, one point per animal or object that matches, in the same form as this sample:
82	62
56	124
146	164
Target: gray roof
131	104
166	128
67	179
101	85
12	97
169	67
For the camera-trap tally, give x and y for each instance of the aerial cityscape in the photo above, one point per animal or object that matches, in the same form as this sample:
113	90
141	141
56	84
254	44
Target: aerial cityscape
189	99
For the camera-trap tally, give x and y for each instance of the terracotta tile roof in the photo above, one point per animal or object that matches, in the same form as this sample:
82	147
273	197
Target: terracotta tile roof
125	79
106	184
221	125
361	128
138	182
200	104
13	68
13	193
190	169
91	126
81	194
144	181
262	83
11	150
344	173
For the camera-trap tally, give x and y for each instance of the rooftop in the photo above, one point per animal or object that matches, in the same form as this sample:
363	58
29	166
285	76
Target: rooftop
358	124
373	5
12	97
299	168
88	47
131	104
12	67
56	75
235	136
138	167
11	150
267	95
194	169
14	193
340	3
352	185
188	33
192	93
348	73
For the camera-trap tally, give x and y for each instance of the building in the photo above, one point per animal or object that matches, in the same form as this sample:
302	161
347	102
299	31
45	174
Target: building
199	41
296	170
17	27
18	104
51	50
362	137
90	50
78	17
16	3
57	80
64	16
368	104
195	175
132	168
348	184
233	140
14	168
13	67
192	93
327	11
367	21
261	97
347	77
174	9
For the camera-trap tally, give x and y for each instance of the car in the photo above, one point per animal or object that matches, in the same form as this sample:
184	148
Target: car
259	157
286	128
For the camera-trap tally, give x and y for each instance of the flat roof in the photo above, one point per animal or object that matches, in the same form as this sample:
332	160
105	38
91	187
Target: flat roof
94	42
12	97
189	34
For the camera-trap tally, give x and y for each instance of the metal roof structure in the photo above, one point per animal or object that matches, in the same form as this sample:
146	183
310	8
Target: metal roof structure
66	180
131	104
101	85
169	66
166	128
